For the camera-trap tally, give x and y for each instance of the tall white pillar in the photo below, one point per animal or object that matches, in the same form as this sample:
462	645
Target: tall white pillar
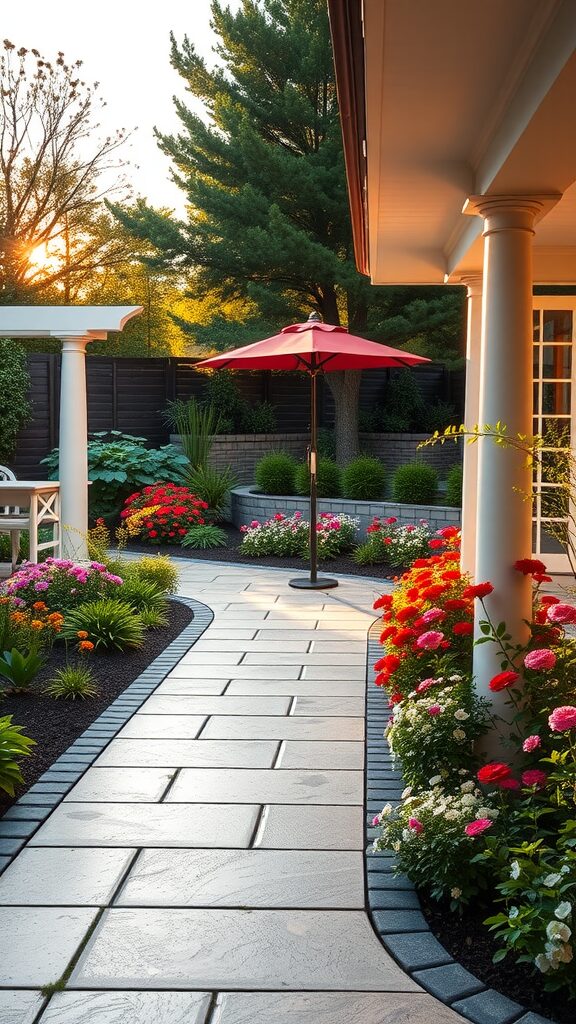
504	517
73	448
471	418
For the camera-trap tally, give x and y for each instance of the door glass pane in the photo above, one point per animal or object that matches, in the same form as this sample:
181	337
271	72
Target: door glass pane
556	361
551	538
556	398
557	325
536	324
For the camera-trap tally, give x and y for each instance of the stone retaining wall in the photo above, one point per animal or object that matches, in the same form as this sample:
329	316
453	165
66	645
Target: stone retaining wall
248	505
243	451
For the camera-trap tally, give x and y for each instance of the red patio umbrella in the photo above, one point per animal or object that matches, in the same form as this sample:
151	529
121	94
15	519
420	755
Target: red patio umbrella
315	347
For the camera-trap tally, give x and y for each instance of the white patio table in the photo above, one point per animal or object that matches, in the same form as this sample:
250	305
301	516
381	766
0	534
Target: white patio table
40	500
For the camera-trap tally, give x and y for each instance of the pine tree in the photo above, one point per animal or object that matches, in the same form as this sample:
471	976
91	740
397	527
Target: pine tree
265	182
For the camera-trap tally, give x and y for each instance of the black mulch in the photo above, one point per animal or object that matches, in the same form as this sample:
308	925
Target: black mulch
55	724
343	565
472	945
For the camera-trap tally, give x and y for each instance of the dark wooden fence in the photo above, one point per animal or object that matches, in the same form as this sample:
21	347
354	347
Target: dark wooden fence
131	394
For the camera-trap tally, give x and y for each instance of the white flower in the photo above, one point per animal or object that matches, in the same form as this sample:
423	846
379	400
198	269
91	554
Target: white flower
435	780
462	771
558	932
459	735
564	870
563	910
455	893
396	846
451	815
386	811
408	834
514	869
542	963
455	678
406	793
461	715
467	787
551	880
468	800
563	954
485	812
513	913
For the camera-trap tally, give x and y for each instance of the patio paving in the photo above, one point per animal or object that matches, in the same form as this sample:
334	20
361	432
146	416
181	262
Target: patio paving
208	869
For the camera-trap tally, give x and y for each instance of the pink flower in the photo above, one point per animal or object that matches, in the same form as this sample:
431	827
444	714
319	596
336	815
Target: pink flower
534	777
432	615
540	659
425	685
41	585
531	743
476	828
415	825
509	784
390	520
376	819
430	641
254	524
563	718
434	709
410	529
561	613
278	517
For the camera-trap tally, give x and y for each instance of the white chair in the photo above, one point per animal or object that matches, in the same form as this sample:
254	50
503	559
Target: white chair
13	520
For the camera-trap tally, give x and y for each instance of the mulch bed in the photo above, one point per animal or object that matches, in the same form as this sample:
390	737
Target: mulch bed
55	724
343	565
472	945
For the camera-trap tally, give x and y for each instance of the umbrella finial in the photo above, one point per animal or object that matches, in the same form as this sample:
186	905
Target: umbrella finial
315	317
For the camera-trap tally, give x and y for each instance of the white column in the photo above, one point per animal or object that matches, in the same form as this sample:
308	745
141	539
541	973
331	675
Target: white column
73	449
471	418
504	517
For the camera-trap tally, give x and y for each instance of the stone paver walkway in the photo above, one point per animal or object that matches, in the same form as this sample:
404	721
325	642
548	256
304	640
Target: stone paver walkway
215	848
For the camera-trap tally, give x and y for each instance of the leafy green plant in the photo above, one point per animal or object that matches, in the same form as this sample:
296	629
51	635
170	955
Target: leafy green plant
120	463
15	409
221	391
72	682
205	537
196	424
152	618
326	443
328	479
109	623
157	569
143	594
454	488
276	473
402	402
13	746
364	479
20	667
436	416
415	484
259	418
213	486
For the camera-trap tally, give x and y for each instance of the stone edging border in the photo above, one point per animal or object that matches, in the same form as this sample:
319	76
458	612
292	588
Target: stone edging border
392	901
25	816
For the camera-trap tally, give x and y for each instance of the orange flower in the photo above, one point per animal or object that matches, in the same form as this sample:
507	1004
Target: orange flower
86	645
36	624
4	600
82	634
39	606
55	617
18	617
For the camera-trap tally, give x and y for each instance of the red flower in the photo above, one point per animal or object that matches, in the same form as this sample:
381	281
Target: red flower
152	533
541	578
496	771
432	592
502	681
478	590
389	663
463	629
455	604
528	566
385	601
395	698
451	574
549	599
406	613
403	636
382	679
387	633
435	543
534	777
477	827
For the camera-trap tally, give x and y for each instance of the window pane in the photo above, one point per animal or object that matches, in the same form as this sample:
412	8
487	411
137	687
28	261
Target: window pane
557	361
556	398
556	431
536	324
552	539
557	325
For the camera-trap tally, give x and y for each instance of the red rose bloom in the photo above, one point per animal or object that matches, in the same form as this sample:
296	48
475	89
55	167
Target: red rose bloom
463	629
502	681
528	566
478	590
455	604
383	602
387	633
406	613
496	771
403	636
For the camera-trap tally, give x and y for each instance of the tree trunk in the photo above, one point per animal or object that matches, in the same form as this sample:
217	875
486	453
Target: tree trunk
345	388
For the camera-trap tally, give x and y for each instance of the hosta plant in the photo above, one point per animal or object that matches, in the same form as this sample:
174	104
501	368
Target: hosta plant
14	745
109	624
20	669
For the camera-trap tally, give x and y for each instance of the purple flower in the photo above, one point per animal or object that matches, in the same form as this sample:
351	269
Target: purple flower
41	585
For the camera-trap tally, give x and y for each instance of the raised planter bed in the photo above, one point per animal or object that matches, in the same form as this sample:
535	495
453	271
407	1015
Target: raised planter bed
248	504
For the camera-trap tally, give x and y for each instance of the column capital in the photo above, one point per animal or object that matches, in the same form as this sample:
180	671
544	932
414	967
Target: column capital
473	282
74	342
502	212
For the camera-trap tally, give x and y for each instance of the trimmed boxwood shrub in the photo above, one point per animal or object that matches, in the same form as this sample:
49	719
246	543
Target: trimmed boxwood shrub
364	479
328	479
276	473
454	488
415	484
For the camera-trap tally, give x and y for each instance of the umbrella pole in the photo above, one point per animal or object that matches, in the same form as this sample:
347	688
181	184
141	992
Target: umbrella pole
313	582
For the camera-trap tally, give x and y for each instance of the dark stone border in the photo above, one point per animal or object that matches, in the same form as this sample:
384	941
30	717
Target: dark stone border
21	820
393	903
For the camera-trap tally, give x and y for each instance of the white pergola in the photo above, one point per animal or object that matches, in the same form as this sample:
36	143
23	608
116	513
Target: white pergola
76	326
458	124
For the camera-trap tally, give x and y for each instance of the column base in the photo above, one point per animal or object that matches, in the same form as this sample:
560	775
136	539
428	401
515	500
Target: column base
305	583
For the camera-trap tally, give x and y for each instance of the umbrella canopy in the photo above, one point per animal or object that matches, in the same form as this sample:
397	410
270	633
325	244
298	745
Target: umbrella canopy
316	348
312	346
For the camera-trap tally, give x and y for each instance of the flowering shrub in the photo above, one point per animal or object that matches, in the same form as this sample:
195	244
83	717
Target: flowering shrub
396	545
162	513
60	584
288	536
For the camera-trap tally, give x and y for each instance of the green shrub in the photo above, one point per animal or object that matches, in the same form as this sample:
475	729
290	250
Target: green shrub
364	479
152	618
13	746
15	409
71	682
436	417
213	486
415	484
109	623
21	668
259	418
328	479
143	594
157	569
221	391
454	488
326	443
402	402
196	424
119	464
205	537
276	473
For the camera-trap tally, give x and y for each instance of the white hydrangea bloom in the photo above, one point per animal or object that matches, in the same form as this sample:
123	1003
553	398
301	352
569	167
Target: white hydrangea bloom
435	780
467	787
558	932
542	963
563	910
551	880
514	869
461	715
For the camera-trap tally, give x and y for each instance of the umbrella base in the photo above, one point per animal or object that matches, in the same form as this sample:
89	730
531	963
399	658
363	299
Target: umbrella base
305	583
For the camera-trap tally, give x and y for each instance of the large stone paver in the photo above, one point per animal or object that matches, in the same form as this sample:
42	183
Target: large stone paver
222	832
